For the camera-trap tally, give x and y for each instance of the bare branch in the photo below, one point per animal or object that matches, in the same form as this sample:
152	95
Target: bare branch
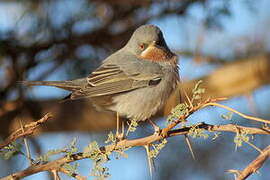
255	164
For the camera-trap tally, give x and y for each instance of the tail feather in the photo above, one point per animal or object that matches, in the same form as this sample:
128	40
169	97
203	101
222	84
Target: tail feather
67	85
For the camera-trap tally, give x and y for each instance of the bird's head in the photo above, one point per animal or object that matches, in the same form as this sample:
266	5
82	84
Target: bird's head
147	42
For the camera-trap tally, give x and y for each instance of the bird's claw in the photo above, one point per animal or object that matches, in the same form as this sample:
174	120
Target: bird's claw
119	136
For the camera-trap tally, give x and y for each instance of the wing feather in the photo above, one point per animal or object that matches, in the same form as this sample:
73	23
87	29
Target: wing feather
110	79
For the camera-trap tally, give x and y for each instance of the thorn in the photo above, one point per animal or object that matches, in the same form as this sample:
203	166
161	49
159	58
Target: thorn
27	148
190	147
151	164
155	126
189	100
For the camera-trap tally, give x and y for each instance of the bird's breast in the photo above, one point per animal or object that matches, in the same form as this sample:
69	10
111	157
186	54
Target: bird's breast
141	104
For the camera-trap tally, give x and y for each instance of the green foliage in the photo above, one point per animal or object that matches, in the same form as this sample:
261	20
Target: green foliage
71	168
240	138
45	157
197	91
156	148
195	132
132	125
11	150
71	149
68	151
93	152
111	138
177	111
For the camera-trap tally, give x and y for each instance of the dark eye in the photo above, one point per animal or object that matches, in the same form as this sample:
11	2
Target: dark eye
142	46
158	43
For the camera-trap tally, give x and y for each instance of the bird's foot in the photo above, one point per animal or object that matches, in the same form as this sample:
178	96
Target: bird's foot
119	136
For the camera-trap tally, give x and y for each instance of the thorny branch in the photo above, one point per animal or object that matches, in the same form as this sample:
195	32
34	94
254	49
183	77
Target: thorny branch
255	164
56	165
25	130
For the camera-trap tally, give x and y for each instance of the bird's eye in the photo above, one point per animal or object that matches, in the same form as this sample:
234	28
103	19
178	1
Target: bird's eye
158	43
142	46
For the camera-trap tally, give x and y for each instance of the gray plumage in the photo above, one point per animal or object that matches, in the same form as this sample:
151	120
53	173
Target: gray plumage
127	83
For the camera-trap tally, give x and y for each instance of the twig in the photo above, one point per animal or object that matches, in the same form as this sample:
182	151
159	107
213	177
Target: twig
237	112
255	164
25	131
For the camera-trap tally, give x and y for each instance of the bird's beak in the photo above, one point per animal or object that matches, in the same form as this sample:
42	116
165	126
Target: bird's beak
156	52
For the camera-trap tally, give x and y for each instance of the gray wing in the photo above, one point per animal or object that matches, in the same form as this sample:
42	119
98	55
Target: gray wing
110	79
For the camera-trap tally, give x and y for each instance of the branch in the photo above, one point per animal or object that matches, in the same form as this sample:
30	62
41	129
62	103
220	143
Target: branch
75	175
239	113
52	165
126	143
25	130
254	165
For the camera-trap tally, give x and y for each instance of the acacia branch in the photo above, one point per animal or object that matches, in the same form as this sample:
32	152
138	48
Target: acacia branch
25	130
126	143
254	165
56	164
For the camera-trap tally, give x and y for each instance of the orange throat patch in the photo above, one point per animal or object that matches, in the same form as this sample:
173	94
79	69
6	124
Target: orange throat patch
153	53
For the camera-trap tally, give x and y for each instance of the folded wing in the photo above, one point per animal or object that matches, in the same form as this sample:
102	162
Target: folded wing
110	79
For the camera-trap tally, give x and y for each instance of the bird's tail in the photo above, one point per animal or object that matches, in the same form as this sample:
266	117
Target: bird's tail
67	85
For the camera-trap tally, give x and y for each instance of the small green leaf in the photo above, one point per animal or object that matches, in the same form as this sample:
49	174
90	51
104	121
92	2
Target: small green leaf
111	138
132	125
197	91
157	148
240	138
71	168
195	132
11	150
177	111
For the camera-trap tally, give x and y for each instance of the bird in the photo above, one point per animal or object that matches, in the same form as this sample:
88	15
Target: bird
134	82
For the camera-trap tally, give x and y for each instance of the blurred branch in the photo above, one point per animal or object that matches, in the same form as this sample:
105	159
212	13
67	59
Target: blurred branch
57	164
204	57
253	166
25	130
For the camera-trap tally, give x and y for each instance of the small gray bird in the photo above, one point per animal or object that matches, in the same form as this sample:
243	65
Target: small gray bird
135	81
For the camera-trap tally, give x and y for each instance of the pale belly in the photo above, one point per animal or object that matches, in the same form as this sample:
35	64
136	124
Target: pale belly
143	103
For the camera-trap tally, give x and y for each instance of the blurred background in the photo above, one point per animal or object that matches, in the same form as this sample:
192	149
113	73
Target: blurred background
225	43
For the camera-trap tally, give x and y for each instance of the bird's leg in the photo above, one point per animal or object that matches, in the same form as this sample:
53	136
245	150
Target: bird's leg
117	125
155	126
118	135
